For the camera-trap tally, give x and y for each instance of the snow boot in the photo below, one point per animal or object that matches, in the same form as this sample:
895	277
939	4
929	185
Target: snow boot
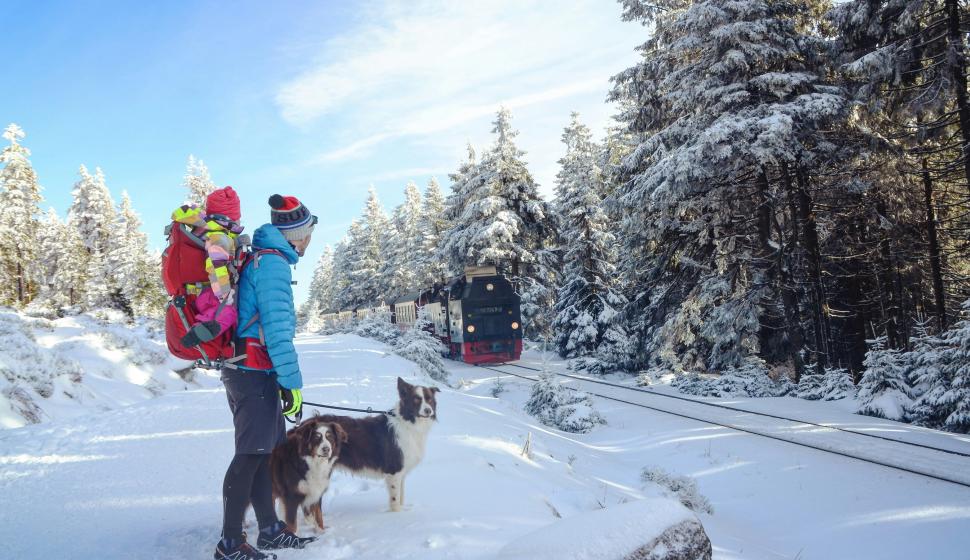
230	549
278	536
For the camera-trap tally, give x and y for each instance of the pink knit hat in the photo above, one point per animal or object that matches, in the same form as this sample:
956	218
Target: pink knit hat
224	202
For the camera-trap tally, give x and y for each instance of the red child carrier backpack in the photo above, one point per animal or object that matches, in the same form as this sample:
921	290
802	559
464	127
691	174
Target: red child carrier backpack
184	274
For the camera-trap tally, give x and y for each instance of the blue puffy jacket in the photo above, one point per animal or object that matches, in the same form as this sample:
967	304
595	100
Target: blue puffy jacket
265	288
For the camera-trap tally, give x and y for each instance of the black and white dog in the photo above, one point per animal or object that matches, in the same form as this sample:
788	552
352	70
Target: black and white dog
389	445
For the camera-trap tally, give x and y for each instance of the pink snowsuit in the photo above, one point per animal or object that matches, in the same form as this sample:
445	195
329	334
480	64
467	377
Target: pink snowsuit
220	246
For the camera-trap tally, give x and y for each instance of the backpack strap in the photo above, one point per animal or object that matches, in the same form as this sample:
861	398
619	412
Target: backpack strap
254	258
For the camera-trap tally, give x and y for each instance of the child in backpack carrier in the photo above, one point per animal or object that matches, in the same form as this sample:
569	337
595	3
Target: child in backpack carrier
218	225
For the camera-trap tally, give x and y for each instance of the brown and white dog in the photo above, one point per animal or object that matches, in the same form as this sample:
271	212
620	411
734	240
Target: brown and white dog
389	445
301	468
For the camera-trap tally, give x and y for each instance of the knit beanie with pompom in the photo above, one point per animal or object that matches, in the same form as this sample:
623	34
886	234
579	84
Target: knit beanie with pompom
291	217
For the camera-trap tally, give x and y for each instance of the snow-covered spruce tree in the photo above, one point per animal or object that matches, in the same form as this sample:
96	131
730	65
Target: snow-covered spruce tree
946	378
378	326
400	245
883	390
907	62
432	226
558	407
125	256
19	221
97	290
49	263
69	284
366	268
92	212
149	298
419	345
505	222
452	249
347	292
322	285
727	108
197	181
587	304
834	384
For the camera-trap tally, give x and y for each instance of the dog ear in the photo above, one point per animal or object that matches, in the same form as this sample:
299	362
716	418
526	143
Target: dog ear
403	388
305	440
339	430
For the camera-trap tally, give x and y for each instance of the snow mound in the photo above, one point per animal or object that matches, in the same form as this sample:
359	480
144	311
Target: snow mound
653	528
51	369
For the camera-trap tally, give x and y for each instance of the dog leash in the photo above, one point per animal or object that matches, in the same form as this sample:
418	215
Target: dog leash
368	410
298	417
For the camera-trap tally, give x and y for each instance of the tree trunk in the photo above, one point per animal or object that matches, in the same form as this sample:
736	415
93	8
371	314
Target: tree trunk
936	268
958	70
806	219
780	272
887	293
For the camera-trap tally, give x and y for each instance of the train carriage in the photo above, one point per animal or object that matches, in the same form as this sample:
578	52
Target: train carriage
475	315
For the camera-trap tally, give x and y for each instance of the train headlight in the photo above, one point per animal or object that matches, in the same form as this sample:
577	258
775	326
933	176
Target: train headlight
489	287
471	328
515	325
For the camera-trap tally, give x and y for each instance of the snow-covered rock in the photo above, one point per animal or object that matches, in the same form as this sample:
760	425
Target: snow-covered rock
649	529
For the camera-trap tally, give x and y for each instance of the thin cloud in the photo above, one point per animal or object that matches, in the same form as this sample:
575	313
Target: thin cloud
434	72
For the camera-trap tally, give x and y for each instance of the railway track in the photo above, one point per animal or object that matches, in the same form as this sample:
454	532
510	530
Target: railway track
941	464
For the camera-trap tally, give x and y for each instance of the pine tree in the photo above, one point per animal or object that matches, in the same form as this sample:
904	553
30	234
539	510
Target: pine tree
727	105
431	228
19	221
92	212
197	182
133	270
587	304
401	244
97	293
50	261
422	347
946	378
322	284
149	298
883	390
369	261
69	284
505	215
452	248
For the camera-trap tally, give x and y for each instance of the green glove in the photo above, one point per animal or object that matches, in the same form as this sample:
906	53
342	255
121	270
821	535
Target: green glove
292	401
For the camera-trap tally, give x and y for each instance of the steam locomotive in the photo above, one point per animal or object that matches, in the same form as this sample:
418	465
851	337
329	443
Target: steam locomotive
477	315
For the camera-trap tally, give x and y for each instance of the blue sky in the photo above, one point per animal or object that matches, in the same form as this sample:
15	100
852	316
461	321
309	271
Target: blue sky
310	98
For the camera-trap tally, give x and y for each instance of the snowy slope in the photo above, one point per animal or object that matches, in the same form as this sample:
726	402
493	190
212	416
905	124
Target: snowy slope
144	481
58	369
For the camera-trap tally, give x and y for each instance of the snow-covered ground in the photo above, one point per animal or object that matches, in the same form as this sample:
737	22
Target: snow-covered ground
144	481
62	368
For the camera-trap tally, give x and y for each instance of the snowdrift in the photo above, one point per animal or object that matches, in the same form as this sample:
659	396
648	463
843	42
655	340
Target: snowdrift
649	529
62	368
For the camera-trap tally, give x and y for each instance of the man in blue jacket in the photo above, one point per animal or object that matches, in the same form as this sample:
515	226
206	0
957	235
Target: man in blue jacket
266	385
